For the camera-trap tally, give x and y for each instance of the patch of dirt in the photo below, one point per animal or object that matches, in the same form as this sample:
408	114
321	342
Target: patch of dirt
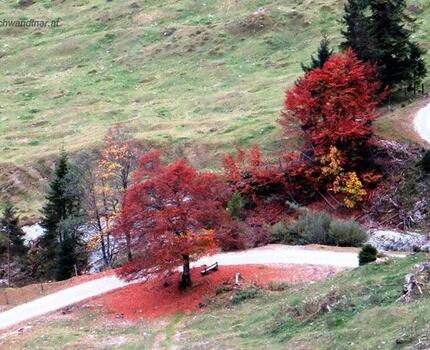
259	21
144	18
157	298
398	123
185	39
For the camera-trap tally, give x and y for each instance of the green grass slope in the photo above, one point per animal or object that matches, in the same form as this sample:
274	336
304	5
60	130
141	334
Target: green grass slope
195	76
365	315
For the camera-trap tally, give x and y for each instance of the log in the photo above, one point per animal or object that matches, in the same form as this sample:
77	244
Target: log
411	286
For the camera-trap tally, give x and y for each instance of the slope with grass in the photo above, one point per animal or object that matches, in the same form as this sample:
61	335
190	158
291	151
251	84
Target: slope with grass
198	77
365	315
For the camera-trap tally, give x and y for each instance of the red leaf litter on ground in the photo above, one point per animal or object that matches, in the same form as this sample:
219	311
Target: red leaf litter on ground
156	298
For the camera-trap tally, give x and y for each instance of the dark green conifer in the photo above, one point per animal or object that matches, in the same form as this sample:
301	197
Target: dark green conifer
323	54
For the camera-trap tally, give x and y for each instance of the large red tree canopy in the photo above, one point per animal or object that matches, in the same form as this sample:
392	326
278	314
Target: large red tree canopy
171	213
335	105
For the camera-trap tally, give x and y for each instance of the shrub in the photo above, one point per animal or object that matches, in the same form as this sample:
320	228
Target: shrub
425	162
346	233
319	228
278	286
232	237
236	204
279	233
367	254
244	294
310	227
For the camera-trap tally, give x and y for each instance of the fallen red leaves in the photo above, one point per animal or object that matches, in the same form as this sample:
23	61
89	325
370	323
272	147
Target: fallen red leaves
154	299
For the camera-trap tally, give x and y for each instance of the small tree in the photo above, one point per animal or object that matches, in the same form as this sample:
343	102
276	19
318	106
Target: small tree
235	205
63	205
335	105
54	211
12	238
323	54
171	213
118	159
367	254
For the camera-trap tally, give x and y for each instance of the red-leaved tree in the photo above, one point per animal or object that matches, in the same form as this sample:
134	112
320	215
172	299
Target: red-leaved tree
248	174
335	105
171	212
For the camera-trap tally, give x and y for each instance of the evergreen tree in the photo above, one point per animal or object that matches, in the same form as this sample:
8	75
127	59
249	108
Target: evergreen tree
357	23
61	221
323	54
9	224
418	69
377	31
65	260
12	238
392	49
71	255
53	212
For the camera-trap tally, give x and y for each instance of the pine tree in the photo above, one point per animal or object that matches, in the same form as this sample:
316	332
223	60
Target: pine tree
392	37
378	32
357	28
12	237
53	212
62	218
323	54
66	260
71	255
418	69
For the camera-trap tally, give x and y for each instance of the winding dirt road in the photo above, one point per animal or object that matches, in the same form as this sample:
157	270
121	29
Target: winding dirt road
272	254
422	123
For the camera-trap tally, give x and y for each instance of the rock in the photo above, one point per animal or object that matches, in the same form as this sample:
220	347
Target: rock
399	241
24	3
415	9
168	31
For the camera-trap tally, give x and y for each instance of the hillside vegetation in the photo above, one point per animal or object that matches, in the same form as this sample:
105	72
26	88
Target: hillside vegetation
365	314
192	76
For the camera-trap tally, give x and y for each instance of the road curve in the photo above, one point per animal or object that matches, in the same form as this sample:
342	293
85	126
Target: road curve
283	254
58	300
422	123
271	254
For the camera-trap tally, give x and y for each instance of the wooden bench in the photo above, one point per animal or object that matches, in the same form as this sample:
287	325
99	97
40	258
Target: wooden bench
210	268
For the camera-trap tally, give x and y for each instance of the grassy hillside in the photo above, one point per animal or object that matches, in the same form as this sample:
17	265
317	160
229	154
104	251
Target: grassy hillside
196	76
366	316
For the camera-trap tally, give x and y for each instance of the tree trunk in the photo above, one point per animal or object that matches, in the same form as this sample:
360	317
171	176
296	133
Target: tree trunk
102	241
8	258
186	276
128	240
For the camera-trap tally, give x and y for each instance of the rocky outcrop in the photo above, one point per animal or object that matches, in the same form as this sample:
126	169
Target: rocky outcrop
384	240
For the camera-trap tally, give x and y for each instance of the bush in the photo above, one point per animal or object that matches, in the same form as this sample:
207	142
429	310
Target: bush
310	227
277	286
279	233
346	233
319	228
236	205
367	254
425	162
245	294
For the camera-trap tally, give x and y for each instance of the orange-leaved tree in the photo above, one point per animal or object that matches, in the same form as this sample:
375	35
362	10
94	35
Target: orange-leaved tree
118	159
171	212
